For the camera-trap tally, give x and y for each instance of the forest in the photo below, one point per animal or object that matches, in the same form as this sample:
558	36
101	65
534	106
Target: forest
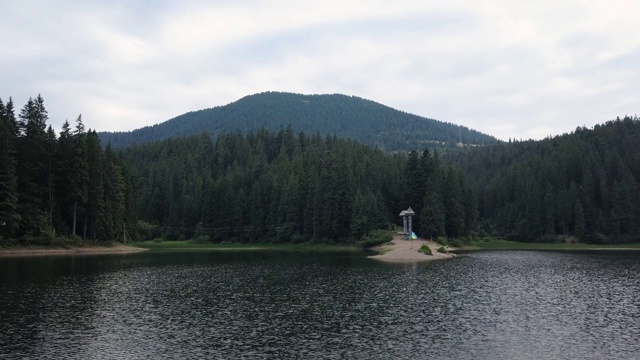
583	185
289	185
254	187
363	120
53	188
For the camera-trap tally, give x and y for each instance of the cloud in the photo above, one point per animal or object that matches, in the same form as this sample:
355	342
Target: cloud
511	69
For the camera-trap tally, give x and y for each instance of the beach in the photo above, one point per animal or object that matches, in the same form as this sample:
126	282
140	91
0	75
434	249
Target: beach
408	251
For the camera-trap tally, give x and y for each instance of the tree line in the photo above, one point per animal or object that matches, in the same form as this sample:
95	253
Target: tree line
57	186
288	187
583	185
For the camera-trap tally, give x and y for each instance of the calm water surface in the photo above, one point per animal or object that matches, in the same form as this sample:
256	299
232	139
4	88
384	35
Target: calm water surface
485	305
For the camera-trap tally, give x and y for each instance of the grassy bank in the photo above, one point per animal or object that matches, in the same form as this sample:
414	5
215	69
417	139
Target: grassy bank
497	244
198	246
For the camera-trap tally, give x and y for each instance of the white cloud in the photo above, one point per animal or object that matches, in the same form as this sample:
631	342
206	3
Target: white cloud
509	68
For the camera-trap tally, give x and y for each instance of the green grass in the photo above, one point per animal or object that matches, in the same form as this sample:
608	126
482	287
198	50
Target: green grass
167	245
498	244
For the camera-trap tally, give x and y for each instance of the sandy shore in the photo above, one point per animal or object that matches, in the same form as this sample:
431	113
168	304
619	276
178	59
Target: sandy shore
407	251
88	250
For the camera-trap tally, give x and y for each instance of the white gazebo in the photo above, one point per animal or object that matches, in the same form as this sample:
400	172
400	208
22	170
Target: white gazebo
406	222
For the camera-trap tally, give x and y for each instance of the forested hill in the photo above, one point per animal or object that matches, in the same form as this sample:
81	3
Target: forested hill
346	116
584	184
247	187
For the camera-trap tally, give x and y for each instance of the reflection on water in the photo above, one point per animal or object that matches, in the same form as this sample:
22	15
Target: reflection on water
487	305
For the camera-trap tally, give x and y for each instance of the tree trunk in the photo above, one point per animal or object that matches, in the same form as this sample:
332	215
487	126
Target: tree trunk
84	231
75	212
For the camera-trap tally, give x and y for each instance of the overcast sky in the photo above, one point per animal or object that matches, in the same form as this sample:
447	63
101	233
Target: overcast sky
512	69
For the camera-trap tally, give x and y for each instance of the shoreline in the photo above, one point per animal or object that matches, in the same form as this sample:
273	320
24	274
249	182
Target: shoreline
186	245
84	250
407	251
499	244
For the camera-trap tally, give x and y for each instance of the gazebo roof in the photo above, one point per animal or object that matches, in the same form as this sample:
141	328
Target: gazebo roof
407	212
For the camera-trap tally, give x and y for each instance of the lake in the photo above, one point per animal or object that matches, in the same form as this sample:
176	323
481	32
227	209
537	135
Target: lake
278	304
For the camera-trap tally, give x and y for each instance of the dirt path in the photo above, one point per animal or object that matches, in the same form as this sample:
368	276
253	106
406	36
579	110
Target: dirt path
407	251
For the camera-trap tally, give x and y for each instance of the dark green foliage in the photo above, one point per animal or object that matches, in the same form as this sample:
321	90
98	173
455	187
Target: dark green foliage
443	203
32	169
375	238
274	187
416	187
346	116
9	211
583	184
425	249
95	189
580	227
442	249
53	188
456	243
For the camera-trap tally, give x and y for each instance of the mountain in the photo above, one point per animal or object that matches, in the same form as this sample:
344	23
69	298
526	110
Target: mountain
346	116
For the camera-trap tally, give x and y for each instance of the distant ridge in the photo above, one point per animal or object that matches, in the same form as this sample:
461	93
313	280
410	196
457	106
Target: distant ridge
347	116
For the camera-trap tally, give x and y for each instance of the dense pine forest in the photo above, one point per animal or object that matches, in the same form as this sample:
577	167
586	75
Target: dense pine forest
54	188
583	185
345	116
288	187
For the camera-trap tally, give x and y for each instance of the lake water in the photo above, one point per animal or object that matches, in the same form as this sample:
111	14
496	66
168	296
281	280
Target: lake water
253	305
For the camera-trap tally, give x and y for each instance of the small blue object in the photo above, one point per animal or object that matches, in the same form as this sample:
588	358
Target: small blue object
413	235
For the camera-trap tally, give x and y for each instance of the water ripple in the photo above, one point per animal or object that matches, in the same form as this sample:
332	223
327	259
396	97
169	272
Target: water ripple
489	305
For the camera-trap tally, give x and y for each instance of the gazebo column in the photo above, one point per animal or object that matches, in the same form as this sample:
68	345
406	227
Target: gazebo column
404	228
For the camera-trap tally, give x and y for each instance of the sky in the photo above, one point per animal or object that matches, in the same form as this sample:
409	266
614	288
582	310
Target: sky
508	68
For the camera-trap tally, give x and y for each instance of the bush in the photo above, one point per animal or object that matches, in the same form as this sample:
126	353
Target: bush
376	237
297	238
442	241
456	242
426	249
202	239
146	231
442	249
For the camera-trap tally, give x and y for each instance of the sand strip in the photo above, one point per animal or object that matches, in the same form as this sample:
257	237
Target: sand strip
407	251
87	250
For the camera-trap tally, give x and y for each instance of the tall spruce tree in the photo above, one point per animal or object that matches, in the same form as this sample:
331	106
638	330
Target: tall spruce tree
114	197
63	173
9	212
32	168
95	190
79	179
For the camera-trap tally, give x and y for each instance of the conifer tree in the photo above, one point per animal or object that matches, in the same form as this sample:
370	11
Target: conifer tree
63	173
9	212
580	226
31	168
95	191
114	197
80	178
453	204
